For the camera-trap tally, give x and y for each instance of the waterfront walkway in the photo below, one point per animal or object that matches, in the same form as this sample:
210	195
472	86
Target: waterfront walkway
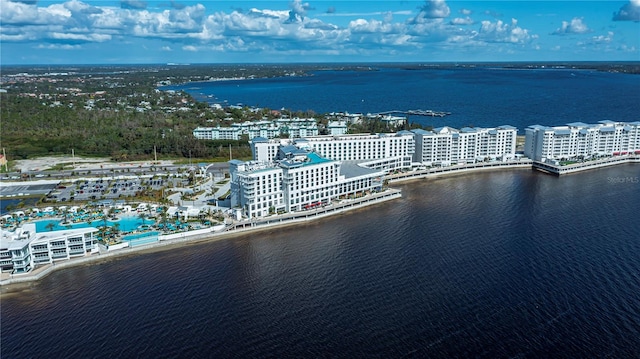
306	215
463	168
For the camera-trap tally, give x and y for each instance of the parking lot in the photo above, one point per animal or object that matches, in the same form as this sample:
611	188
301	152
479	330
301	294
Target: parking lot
26	189
96	189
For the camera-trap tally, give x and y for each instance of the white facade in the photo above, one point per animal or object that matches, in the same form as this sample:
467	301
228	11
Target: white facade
398	147
303	181
337	128
446	145
256	187
292	128
581	140
386	151
264	150
24	249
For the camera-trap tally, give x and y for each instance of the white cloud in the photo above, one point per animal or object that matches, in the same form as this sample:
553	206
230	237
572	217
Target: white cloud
575	26
503	32
59	47
432	9
628	12
67	36
460	21
598	40
282	31
465	12
603	38
372	26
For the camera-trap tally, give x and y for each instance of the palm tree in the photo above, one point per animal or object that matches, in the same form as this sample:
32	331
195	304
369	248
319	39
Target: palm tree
112	212
50	226
103	234
163	215
66	215
142	216
115	229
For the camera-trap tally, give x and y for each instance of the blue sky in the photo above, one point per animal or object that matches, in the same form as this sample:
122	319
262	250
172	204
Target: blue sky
137	31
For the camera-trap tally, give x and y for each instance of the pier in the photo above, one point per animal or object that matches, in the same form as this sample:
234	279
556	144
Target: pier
582	166
430	113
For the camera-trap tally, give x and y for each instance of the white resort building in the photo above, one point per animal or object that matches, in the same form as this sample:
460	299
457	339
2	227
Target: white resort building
296	174
303	180
25	249
385	151
445	145
581	140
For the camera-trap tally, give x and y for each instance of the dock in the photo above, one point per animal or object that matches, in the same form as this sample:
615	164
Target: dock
430	113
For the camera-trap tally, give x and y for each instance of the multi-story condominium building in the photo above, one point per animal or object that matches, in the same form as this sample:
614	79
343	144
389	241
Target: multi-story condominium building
387	151
581	140
446	145
396	149
24	249
302	180
292	128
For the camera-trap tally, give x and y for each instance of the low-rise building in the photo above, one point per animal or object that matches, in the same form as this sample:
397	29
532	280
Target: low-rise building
283	127
25	248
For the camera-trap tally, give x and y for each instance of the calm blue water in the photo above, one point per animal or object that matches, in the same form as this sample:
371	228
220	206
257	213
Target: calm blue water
507	264
480	97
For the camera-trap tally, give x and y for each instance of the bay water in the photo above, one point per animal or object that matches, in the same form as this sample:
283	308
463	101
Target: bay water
498	264
476	97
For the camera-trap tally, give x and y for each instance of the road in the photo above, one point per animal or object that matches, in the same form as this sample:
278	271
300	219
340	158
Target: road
217	169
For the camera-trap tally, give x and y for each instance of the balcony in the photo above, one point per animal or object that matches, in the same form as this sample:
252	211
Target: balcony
40	249
19	255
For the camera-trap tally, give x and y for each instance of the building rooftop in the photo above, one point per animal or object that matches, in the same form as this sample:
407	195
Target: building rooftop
351	169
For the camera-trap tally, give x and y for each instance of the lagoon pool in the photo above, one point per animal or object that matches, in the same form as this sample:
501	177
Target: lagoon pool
126	224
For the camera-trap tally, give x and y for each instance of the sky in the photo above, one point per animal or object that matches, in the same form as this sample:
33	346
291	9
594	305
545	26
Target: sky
212	31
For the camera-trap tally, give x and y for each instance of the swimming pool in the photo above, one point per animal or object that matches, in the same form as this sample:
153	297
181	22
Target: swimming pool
125	224
140	239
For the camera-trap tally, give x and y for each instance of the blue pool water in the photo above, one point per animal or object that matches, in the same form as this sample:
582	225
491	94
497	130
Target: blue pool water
126	224
139	239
